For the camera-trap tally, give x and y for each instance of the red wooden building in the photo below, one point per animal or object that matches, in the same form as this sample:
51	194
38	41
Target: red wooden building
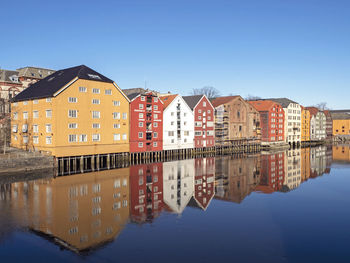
271	121
272	173
146	122
203	111
146	192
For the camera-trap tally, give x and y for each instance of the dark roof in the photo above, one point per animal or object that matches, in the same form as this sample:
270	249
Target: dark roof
48	86
340	115
192	100
340	111
283	101
132	95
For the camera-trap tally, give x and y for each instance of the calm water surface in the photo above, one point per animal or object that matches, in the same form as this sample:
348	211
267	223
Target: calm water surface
289	206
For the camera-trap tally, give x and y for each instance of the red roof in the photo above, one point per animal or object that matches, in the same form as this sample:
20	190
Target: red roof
313	110
263	105
167	99
223	100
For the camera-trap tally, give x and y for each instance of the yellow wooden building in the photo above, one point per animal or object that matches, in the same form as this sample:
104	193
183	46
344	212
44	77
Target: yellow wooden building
73	112
305	125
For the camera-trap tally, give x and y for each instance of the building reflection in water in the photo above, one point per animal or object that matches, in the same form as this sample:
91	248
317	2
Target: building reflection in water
236	178
84	211
204	182
272	172
341	153
146	192
78	212
178	184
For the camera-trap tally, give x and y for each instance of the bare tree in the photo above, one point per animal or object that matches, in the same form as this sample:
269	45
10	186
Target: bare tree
208	91
322	106
252	97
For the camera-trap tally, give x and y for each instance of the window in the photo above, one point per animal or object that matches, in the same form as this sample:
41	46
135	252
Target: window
72	100
116	115
25	102
140	144
15	116
116	103
204	104
96	91
140	115
125	115
95	114
25	128
116	125
155	124
83	138
35	128
25	115
155	99
95	101
35	101
170	133
72	113
35	139
155	135
142	98
25	139
72	138
155	116
48	140
95	125
155	144
48	113
48	99
186	133
116	137
72	125
48	128
35	114
155	107
140	124
96	137
140	106
108	92
124	136
197	133
82	89
140	134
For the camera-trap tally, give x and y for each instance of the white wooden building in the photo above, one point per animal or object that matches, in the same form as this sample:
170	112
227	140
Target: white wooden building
178	123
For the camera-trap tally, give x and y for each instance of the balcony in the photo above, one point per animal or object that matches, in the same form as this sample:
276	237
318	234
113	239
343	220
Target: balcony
149	108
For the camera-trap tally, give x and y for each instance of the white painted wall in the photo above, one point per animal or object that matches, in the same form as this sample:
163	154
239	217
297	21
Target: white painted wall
292	123
172	142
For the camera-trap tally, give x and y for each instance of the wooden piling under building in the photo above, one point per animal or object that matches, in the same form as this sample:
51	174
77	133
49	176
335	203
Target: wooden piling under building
89	163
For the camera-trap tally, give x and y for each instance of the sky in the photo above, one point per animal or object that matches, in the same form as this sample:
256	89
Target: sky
298	49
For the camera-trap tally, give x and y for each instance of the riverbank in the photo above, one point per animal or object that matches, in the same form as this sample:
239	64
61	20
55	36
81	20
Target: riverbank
16	161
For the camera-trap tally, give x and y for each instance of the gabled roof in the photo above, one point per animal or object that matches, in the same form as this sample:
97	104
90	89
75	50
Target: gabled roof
313	110
133	93
283	101
9	76
223	100
167	99
48	86
192	101
263	105
34	72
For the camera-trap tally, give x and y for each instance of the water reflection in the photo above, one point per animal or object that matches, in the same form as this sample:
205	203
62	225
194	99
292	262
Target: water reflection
84	211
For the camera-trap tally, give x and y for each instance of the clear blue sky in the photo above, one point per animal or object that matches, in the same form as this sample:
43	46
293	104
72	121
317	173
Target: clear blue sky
270	48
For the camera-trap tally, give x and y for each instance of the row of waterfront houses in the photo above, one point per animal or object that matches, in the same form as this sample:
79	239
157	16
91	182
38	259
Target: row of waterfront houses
78	111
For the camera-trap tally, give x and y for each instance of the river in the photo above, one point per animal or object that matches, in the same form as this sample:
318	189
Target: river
290	206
